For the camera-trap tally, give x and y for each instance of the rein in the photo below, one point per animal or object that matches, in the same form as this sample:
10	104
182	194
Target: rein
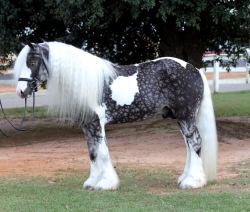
20	128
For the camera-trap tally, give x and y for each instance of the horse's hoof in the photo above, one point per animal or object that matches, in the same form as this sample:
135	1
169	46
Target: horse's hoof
190	182
105	184
88	187
181	178
89	184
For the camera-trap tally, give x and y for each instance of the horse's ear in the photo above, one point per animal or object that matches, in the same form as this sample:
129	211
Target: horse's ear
31	45
42	40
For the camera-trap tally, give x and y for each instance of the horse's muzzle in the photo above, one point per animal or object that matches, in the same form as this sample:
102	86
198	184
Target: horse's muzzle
27	92
30	87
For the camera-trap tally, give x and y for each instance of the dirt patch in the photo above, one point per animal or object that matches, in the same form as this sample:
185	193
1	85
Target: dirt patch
7	88
231	129
227	75
50	150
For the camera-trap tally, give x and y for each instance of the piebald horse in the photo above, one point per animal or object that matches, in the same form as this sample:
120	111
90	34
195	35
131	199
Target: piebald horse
91	92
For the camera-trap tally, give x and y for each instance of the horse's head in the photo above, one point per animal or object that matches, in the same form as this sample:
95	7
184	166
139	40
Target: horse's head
34	70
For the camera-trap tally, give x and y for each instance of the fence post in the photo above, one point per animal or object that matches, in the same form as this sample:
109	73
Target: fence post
247	72
216	76
247	57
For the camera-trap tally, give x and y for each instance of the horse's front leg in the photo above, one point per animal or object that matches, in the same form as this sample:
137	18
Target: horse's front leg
102	173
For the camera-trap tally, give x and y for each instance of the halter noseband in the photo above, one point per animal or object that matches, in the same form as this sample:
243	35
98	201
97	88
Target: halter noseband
32	83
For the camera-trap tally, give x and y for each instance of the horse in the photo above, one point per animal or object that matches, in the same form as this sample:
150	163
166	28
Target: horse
91	92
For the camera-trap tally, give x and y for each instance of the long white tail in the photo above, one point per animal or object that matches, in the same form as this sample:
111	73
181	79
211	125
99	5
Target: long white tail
207	128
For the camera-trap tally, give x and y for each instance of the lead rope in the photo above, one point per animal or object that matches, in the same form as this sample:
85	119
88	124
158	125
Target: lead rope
20	128
24	112
33	108
5	117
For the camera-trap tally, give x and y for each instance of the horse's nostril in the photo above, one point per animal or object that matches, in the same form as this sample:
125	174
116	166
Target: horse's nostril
22	94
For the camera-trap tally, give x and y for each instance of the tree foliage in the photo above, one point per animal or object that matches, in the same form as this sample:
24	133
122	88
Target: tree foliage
129	31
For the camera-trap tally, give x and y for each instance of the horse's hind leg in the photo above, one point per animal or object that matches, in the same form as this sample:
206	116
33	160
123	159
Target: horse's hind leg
193	175
102	173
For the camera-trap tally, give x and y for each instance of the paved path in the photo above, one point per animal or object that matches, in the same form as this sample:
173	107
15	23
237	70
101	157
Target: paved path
233	87
11	100
227	85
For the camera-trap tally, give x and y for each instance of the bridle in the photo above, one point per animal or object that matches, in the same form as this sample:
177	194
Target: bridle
34	81
33	85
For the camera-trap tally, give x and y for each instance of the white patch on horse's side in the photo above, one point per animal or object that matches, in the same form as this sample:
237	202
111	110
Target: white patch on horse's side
124	89
195	176
102	173
181	62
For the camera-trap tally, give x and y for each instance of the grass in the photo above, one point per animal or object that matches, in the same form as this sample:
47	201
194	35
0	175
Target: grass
141	190
19	112
232	103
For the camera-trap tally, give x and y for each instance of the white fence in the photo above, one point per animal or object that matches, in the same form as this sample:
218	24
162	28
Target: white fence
215	67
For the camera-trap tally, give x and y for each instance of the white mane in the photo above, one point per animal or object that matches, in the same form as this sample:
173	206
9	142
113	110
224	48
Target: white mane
76	81
20	62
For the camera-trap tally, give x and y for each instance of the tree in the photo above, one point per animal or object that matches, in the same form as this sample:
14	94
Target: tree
130	31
